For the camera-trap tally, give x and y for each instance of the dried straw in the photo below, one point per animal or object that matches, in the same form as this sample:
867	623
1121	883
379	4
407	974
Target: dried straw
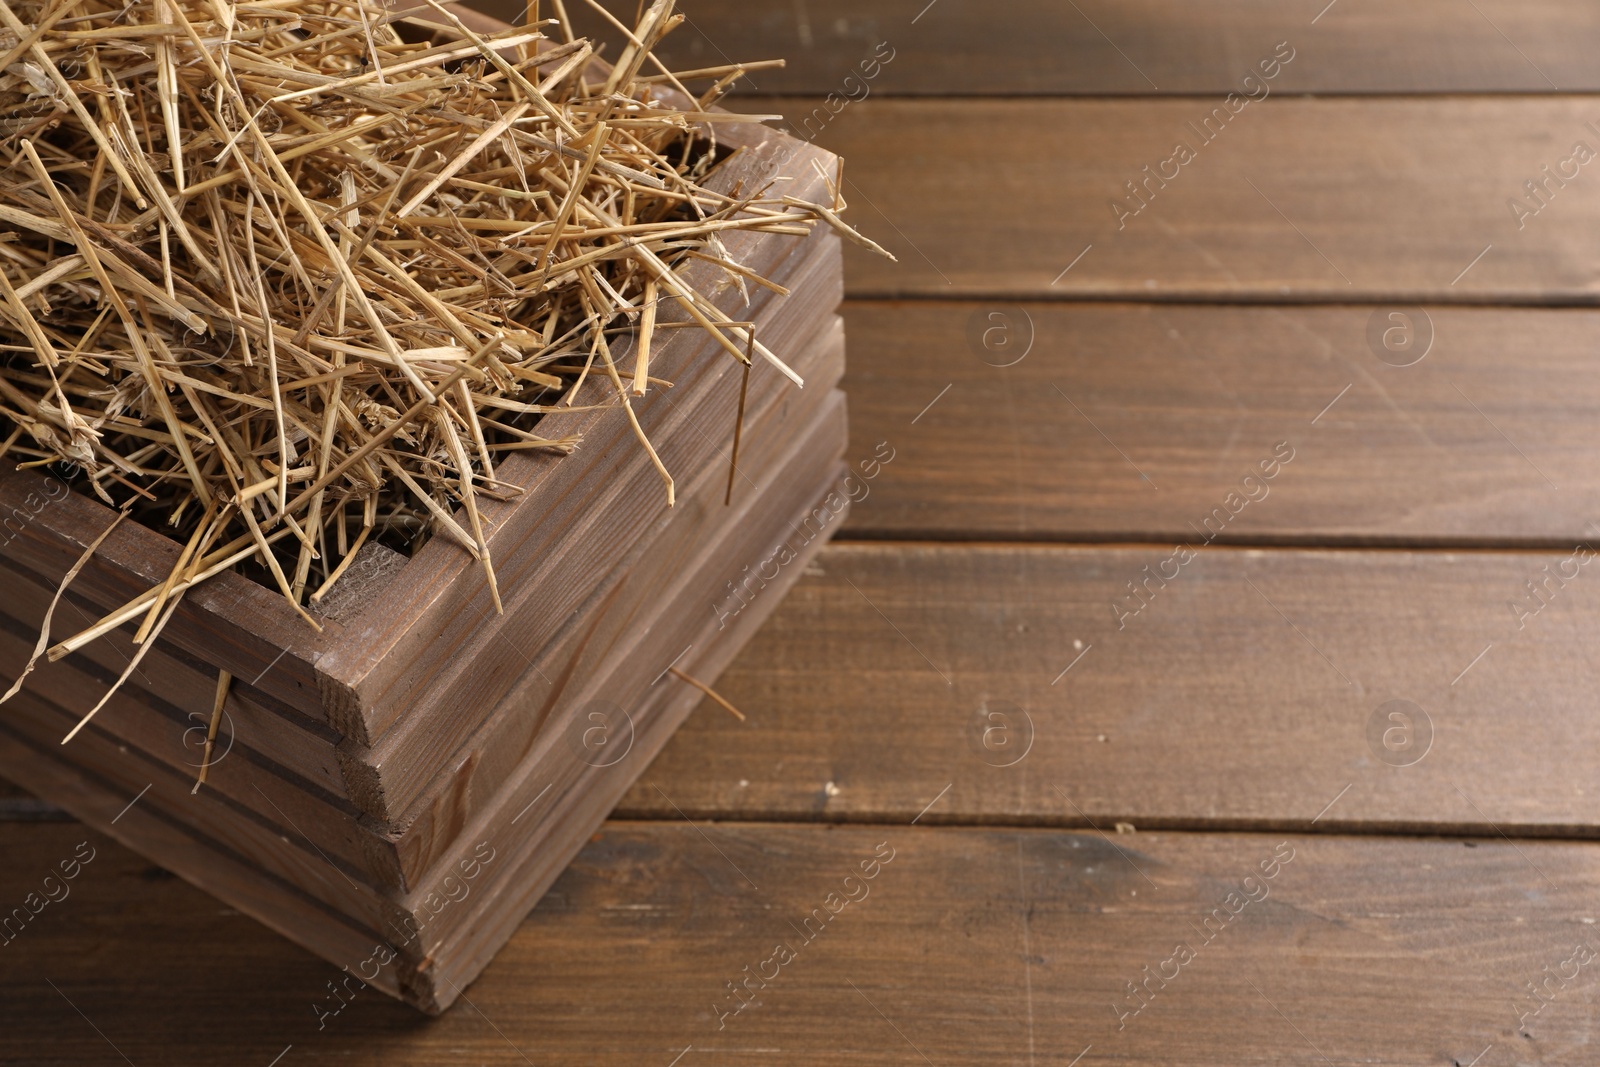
288	271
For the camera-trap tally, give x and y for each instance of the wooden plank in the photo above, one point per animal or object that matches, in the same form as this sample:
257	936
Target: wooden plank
265	643
252	718
1129	47
135	721
273	852
626	604
252	896
19	805
969	946
138	716
589	795
1048	432
1290	199
784	458
789	452
1250	691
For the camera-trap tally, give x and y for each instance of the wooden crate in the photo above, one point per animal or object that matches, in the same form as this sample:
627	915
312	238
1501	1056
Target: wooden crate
395	856
322	807
548	808
370	764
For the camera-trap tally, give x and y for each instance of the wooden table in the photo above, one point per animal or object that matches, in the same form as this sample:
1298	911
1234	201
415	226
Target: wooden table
1207	677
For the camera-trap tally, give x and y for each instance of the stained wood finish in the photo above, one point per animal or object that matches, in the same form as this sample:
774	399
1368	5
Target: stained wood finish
1452	450
593	794
110	809
132	559
1141	48
425	949
612	656
1219	705
618	636
170	743
419	649
277	851
271	730
971	946
18	805
387	777
1386	199
618	664
163	710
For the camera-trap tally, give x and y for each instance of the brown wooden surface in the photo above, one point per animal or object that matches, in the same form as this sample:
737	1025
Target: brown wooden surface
779	470
418	650
133	558
656	713
787	457
972	946
1208	710
1356	199
167	738
273	751
1452	450
124	813
1133	47
32	731
18	805
1005	931
188	689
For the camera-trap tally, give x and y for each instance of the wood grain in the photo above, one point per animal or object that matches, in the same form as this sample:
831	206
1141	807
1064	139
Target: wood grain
19	805
657	712
1222	704
589	543
614	655
253	720
252	895
971	946
1242	697
263	873
272	853
264	642
1387	199
166	736
151	714
1131	47
535	741
670	577
1452	450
